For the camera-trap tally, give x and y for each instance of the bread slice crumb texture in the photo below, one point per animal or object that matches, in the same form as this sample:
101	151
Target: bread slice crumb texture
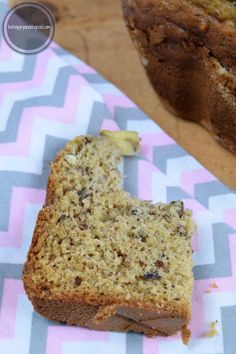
94	238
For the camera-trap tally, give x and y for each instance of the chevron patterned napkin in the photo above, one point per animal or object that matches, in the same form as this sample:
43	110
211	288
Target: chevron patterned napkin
45	100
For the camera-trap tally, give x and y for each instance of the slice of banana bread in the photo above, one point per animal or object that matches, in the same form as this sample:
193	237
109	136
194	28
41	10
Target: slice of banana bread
188	48
102	259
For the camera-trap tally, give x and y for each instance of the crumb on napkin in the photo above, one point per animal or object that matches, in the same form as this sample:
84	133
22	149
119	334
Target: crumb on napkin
212	331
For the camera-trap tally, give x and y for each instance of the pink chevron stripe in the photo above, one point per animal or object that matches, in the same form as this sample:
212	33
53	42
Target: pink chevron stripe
66	114
40	70
149	141
5	51
113	101
232	244
11	290
109	124
145	170
190	178
58	335
230	217
224	284
150	345
193	204
53	45
20	198
83	68
171	339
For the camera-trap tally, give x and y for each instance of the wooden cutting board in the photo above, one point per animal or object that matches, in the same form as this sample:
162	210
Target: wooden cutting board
94	30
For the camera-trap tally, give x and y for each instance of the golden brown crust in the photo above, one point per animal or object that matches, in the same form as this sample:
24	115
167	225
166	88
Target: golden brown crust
51	184
190	58
122	320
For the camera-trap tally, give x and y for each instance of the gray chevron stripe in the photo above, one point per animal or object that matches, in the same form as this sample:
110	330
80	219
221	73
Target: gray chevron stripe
3	11
16	179
25	74
39	331
175	193
56	99
38	338
203	191
134	343
131	175
228	315
61	51
13	271
19	179
99	113
161	154
10	270
95	78
123	115
222	266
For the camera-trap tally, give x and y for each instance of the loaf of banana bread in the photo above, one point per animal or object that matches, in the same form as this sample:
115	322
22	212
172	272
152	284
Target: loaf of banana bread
188	48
